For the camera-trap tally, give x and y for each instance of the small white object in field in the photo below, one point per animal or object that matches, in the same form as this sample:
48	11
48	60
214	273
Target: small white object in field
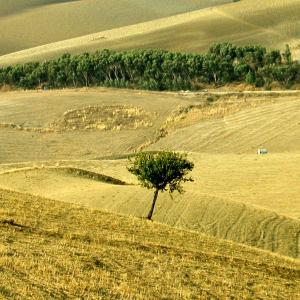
262	151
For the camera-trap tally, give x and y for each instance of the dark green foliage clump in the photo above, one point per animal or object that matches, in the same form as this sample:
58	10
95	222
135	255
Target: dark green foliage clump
160	171
157	69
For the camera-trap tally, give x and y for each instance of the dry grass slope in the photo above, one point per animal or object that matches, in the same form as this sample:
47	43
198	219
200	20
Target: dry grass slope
53	20
237	195
55	250
225	219
233	124
37	111
272	23
237	127
54	141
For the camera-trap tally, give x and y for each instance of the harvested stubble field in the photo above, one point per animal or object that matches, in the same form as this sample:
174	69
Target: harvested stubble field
72	217
234	123
45	254
50	21
236	195
271	23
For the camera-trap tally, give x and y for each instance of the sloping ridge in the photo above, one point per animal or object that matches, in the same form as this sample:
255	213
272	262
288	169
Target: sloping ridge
51	249
50	21
90	175
272	125
12	7
210	215
76	172
245	224
272	23
69	45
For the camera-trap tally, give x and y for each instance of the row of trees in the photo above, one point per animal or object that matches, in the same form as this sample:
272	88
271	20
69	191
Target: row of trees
157	69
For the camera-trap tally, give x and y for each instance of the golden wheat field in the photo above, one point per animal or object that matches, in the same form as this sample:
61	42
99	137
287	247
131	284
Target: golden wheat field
60	144
272	23
73	218
72	146
54	20
45	254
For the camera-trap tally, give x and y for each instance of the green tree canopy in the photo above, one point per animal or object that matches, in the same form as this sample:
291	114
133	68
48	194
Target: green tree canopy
161	171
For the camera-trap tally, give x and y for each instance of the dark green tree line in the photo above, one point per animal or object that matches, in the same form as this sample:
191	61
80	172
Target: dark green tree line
157	69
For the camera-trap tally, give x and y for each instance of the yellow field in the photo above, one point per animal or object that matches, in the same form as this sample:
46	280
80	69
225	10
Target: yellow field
46	254
72	217
53	20
273	125
236	195
272	23
236	123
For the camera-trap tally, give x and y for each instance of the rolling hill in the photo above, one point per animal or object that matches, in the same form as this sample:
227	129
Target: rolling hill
45	254
53	20
236	195
269	23
234	123
272	125
238	221
72	218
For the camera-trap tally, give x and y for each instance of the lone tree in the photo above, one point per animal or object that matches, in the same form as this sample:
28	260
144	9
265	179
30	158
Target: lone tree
160	171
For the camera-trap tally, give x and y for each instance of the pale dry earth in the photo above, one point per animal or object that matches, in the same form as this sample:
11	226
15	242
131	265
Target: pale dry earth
51	249
50	21
72	217
271	23
236	195
205	213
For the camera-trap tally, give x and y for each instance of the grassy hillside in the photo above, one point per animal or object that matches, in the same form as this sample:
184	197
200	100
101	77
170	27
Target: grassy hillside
12	7
203	209
272	23
236	195
32	123
52	20
269	23
55	250
37	110
72	218
274	125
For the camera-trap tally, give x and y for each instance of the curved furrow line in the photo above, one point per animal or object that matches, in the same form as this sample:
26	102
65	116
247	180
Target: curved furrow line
211	134
198	222
218	215
265	127
265	133
263	226
281	131
254	114
275	233
237	222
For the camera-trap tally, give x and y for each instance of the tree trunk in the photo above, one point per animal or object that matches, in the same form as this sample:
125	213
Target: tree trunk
86	77
74	79
149	217
215	78
116	73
